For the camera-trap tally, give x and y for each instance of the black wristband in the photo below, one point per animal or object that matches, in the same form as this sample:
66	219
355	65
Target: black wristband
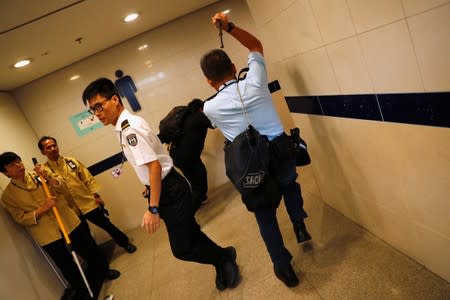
153	209
230	26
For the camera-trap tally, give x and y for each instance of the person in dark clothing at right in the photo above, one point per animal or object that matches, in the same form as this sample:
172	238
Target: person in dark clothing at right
186	150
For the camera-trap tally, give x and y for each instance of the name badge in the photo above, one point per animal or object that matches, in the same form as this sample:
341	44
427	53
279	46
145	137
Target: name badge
71	164
116	172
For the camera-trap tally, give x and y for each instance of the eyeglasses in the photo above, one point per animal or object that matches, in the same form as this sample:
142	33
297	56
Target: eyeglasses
98	107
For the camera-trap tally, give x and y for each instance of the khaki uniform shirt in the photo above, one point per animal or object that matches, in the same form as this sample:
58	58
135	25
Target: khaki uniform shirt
22	199
80	182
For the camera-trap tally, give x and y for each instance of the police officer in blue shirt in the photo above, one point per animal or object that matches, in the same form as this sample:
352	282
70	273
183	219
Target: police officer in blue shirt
226	113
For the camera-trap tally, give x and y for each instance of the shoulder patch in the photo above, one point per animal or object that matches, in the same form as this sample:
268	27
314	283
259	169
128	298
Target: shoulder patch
132	139
125	124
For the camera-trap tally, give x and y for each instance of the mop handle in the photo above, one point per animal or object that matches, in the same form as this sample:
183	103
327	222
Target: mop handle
55	210
64	231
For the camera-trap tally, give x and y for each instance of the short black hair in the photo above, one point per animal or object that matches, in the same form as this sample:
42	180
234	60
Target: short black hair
195	104
216	65
103	87
7	158
44	138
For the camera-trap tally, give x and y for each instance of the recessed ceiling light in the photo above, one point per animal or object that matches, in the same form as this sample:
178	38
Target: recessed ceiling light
74	77
226	11
131	17
142	47
22	63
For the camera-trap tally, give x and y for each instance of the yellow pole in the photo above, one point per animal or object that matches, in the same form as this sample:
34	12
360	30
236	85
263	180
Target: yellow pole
64	231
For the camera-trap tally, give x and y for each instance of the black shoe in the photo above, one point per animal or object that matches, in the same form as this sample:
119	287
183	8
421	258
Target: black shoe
130	248
301	233
112	274
287	275
220	282
228	272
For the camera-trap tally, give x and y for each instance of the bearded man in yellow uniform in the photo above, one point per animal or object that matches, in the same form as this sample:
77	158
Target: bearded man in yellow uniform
83	190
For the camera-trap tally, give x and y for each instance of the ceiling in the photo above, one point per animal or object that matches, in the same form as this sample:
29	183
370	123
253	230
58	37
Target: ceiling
47	31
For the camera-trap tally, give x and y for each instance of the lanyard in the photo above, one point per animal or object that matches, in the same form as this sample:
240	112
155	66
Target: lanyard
225	85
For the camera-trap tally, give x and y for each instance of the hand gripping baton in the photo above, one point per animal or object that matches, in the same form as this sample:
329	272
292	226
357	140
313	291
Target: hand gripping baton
64	231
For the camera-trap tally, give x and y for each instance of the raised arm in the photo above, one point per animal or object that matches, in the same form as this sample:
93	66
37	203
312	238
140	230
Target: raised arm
245	38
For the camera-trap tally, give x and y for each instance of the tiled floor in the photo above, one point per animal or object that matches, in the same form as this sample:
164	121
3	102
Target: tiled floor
342	262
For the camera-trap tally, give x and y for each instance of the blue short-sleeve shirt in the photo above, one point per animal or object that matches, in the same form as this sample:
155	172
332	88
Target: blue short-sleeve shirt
225	109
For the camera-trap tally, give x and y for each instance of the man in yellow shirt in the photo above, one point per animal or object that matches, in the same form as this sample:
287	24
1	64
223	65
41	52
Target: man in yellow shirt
83	190
26	201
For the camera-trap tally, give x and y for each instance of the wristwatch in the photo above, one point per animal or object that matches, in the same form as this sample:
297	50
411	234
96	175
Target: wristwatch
230	26
153	209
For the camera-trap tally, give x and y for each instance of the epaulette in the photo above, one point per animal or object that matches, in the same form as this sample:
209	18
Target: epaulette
125	124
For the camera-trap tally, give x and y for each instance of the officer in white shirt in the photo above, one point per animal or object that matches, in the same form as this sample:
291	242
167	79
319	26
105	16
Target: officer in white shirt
168	193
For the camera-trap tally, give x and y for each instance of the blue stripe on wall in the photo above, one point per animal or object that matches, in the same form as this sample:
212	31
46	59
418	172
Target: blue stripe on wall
106	164
431	109
422	109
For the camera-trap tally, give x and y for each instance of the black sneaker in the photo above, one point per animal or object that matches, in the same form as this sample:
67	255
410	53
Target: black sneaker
130	248
301	233
111	274
228	272
220	282
287	275
234	278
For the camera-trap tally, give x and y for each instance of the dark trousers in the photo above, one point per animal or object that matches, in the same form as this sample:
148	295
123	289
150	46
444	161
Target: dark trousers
187	241
195	173
284	169
97	217
84	245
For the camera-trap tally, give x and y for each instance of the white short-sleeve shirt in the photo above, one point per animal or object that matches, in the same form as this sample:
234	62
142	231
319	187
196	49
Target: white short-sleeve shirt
141	146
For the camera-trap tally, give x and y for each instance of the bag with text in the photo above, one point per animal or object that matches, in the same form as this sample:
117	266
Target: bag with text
247	161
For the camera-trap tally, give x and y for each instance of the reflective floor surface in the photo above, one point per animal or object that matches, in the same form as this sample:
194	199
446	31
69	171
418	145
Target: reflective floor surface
343	261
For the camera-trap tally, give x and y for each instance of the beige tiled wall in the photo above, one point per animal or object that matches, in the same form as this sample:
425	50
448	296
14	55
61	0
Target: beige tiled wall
393	179
430	33
390	178
388	46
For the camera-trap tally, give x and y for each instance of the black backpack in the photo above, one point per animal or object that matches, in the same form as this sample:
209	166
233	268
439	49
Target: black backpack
171	127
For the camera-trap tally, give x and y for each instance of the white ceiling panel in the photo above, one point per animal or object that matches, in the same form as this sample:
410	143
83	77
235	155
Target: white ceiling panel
46	31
